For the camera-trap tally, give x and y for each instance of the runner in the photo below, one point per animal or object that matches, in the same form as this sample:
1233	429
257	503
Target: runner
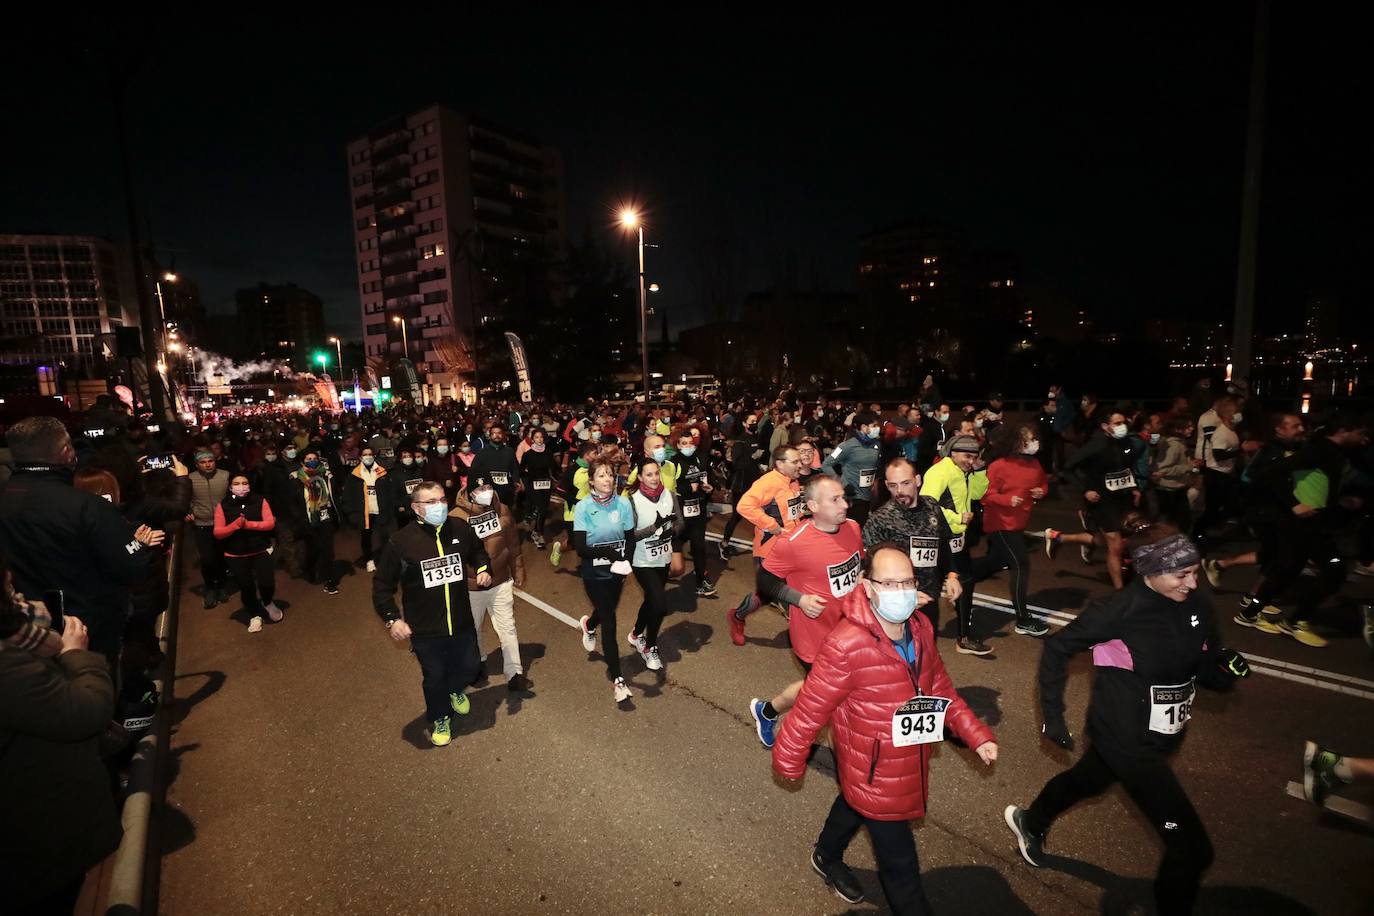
745	455
657	522
496	462
855	463
1103	467
536	470
879	683
493	522
695	486
431	561
603	529
773	506
1152	643
810	570
1016	481
954	483
573	487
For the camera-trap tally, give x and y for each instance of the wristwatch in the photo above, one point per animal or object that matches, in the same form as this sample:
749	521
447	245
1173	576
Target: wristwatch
392	622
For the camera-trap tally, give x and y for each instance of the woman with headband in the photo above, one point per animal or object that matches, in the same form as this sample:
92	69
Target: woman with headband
1152	643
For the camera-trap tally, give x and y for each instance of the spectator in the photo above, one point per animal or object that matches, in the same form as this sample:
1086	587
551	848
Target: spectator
208	486
55	702
243	523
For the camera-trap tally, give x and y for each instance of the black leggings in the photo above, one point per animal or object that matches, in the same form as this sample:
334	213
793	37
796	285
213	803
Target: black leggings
1152	785
695	534
256	580
1287	549
1007	550
1173	507
654	581
537	501
211	557
605	595
963	608
1218	497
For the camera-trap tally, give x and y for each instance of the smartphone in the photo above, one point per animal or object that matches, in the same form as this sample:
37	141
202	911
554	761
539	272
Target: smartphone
57	608
157	462
154	428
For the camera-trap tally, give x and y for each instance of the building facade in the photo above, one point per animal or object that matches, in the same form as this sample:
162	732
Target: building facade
62	300
449	213
282	322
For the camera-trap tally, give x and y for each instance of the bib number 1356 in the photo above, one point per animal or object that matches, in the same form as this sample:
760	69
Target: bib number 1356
920	720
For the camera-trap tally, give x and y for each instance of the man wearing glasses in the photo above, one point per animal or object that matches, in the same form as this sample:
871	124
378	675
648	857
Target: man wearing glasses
433	562
878	681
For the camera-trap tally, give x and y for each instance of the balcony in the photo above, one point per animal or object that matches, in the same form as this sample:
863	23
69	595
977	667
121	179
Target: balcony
403	240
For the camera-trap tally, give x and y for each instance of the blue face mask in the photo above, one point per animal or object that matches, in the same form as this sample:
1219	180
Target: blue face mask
660	454
896	606
436	514
687	451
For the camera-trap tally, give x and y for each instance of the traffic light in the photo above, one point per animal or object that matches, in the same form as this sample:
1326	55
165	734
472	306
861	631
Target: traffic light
322	358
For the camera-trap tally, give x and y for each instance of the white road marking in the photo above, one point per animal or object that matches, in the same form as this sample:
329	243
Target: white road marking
1351	809
547	608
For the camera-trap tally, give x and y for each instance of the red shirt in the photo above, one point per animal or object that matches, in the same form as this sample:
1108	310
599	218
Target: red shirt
816	563
1014	475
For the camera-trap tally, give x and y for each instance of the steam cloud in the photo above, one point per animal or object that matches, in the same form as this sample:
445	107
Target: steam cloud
210	365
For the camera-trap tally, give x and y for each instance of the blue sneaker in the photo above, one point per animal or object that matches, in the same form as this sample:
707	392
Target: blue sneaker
762	724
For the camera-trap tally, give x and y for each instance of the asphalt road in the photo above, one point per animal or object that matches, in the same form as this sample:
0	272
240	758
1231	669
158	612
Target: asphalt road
304	782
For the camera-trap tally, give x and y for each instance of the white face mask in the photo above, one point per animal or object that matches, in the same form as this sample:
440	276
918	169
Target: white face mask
483	497
1032	447
1120	431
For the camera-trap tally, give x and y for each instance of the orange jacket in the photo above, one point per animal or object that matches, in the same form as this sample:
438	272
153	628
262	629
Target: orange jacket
772	502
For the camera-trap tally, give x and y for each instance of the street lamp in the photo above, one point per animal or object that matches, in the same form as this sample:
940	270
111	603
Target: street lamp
629	219
405	341
323	360
339	348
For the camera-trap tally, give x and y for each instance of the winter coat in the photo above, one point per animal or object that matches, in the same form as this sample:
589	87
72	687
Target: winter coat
1014	475
502	544
255	535
856	684
206	493
352	498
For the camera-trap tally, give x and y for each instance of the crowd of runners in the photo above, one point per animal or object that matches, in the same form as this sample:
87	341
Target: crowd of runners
865	520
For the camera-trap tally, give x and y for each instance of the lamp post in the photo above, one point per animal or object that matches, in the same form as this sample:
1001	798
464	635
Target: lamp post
338	348
630	220
405	341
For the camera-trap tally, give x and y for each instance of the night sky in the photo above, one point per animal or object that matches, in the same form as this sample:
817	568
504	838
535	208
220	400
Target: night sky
1104	150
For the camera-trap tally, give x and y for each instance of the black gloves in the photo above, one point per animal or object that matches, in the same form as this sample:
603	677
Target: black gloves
1233	663
1058	733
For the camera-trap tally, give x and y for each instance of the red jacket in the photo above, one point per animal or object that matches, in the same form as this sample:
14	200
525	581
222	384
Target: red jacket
857	682
1015	475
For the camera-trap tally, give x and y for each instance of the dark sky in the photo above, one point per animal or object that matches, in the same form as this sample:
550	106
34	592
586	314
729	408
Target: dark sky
1103	149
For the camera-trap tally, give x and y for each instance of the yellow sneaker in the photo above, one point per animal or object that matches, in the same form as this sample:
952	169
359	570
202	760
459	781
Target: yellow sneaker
1302	631
440	735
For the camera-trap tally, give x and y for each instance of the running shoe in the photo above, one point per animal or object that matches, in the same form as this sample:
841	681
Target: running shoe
736	626
210	599
1212	569
1029	843
371	565
838	878
1319	772
763	725
1302	631
637	640
331	588
621	690
652	661
538	539
439	733
274	613
723	549
1251	615
706	590
1085	551
460	703
1032	627
969	646
588	634
556	553
518	683
255	625
1051	536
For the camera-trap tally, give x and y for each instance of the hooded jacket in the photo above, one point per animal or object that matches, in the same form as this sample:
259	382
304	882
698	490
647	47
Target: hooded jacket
502	543
856	684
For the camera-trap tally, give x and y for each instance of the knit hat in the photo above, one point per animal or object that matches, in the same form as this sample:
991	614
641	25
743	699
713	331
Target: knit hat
202	454
1168	555
477	482
964	443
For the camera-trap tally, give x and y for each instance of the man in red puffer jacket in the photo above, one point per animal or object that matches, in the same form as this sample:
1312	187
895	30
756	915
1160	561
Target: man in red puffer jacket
879	682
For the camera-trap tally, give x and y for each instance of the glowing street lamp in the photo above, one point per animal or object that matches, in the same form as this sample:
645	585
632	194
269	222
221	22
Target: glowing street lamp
405	340
629	219
323	360
339	348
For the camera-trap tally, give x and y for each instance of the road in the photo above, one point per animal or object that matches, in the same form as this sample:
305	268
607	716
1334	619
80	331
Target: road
303	781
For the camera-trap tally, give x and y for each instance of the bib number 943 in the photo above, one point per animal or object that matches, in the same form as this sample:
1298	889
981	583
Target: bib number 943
920	720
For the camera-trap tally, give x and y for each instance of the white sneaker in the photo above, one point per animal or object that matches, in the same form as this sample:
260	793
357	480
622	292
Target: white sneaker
622	690
371	566
1363	569
274	613
637	640
588	636
255	625
652	661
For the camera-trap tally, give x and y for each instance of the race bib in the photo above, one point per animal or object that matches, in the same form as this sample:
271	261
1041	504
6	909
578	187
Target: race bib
617	546
956	544
1120	480
324	514
691	510
658	549
388	453
794	508
412	484
1171	708
867	477
442	570
544	484
843	576
925	552
486	524
920	720
499	478
372	490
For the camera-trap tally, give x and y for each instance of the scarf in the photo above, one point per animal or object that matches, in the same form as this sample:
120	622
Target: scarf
316	497
27	625
651	495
